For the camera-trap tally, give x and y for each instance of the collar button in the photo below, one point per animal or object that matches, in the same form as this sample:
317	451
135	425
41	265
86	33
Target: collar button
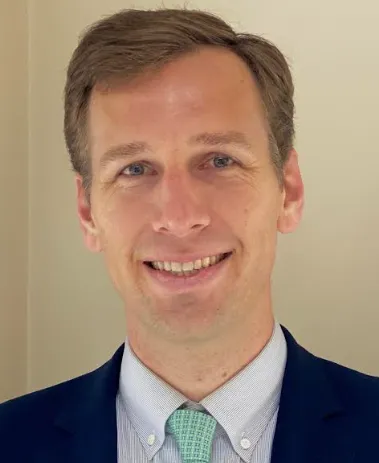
245	443
151	439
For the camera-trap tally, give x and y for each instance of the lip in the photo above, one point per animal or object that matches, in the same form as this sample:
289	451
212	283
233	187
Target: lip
172	283
183	258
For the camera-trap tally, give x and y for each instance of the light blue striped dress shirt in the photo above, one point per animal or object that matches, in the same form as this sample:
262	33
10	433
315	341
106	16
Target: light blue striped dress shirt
245	408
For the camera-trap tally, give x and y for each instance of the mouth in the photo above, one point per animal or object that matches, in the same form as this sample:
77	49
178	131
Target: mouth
176	279
187	269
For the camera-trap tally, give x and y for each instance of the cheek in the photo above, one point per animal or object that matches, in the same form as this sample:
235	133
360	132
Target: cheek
119	221
240	207
254	218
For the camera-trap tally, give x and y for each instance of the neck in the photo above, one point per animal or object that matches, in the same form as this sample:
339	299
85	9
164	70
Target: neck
201	369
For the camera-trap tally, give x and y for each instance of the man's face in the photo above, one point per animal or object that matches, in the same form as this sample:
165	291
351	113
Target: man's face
181	170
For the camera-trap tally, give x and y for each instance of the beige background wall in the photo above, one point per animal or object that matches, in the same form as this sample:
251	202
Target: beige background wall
13	196
326	281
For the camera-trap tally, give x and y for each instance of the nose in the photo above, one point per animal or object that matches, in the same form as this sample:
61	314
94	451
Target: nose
182	208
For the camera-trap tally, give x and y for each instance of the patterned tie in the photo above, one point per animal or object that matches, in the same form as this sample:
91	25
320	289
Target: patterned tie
194	433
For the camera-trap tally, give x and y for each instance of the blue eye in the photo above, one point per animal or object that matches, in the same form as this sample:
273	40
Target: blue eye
222	161
138	169
135	170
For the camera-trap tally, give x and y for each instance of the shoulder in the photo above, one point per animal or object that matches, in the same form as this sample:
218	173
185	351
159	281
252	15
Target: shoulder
34	424
27	423
359	392
41	406
38	408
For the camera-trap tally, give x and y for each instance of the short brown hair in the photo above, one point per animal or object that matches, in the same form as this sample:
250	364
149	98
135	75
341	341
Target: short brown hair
132	41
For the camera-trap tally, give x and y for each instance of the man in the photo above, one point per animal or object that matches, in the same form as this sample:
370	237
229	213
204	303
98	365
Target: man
154	101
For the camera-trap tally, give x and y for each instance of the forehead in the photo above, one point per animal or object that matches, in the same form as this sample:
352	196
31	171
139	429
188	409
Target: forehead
211	87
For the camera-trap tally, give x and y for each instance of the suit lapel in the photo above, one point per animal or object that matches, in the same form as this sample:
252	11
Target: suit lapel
86	426
312	424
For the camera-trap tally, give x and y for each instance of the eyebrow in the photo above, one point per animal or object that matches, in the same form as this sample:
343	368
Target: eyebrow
221	138
126	150
132	149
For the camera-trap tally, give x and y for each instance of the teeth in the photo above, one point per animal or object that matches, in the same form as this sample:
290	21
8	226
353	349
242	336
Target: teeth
205	262
160	265
197	265
182	268
187	267
175	267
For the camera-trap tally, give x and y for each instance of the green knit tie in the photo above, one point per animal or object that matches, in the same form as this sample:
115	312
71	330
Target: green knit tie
194	432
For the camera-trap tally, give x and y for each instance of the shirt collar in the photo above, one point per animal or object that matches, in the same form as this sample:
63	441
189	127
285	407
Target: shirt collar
147	400
243	406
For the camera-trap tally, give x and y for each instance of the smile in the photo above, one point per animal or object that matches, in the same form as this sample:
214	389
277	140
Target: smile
181	281
187	268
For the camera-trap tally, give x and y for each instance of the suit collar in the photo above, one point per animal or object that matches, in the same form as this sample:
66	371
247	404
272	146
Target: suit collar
309	427
257	384
88	416
311	415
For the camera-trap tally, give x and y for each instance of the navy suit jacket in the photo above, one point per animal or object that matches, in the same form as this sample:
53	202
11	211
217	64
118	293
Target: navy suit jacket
327	414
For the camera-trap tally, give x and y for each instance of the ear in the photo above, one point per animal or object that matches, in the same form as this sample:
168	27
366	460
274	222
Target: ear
293	195
87	225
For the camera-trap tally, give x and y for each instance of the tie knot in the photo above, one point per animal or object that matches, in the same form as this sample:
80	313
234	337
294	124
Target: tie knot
193	431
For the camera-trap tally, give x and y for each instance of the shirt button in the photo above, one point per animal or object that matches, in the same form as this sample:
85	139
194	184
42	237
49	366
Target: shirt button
151	439
245	443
